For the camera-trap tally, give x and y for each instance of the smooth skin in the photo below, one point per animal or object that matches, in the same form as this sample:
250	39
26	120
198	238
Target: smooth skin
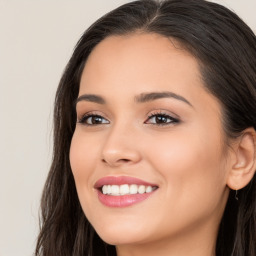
175	141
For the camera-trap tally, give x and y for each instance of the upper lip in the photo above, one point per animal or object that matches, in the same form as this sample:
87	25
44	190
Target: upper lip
120	180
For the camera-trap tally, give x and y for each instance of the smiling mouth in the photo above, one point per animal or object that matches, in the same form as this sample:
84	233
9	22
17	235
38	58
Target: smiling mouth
123	191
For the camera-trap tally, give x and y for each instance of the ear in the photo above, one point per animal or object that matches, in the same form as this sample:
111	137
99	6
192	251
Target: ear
243	159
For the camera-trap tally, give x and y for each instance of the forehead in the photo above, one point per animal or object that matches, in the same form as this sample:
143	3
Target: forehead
140	60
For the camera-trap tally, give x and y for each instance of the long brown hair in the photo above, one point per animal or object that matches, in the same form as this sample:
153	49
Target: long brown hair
225	47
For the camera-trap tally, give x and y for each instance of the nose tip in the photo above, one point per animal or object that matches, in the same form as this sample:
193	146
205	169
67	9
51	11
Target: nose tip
120	147
120	156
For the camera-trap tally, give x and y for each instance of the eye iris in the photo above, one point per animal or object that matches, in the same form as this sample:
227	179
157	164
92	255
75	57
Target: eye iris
96	120
161	119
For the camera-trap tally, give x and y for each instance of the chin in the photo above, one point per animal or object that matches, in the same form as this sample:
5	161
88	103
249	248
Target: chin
119	238
122	234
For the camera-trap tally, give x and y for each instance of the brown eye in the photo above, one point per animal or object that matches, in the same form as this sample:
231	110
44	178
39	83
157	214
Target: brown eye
161	119
93	120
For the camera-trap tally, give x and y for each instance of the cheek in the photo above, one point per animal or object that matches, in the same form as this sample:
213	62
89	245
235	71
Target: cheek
77	157
82	155
189	164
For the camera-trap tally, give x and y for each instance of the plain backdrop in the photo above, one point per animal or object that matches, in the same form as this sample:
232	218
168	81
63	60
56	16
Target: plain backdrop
36	41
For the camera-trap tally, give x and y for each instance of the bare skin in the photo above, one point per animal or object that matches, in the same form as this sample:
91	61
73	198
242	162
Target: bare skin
175	141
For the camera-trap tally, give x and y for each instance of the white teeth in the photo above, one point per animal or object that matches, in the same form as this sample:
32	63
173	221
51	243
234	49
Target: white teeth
115	190
133	189
105	190
142	189
108	189
149	189
125	189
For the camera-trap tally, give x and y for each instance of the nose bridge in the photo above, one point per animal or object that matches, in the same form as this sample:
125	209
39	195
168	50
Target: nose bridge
120	145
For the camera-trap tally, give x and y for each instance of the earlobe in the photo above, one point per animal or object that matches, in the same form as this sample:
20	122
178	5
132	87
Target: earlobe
244	161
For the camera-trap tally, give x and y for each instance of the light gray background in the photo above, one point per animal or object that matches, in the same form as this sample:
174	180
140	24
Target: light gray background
36	41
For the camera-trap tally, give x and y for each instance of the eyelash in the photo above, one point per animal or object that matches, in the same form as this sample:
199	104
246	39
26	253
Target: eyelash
85	117
162	115
149	117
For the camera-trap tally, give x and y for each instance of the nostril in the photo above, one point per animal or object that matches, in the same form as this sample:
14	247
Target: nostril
124	160
118	161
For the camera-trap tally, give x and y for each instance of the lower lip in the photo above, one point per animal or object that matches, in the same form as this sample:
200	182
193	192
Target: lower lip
123	201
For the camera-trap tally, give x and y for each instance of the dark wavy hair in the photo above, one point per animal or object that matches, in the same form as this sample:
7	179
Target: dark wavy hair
225	48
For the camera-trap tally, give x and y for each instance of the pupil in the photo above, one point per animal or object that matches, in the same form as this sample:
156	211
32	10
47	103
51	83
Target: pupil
161	119
96	120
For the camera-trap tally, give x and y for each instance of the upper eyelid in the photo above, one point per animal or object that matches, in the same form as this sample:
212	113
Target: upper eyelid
93	113
163	112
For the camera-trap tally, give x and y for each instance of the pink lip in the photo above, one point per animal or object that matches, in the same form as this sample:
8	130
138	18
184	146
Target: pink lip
124	200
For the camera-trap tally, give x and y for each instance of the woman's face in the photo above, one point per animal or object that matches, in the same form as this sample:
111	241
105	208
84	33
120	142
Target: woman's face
146	122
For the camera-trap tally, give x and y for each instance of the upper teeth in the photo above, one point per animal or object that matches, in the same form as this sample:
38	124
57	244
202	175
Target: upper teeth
116	190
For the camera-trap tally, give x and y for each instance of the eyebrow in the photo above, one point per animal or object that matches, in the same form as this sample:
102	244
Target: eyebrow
91	98
141	98
145	97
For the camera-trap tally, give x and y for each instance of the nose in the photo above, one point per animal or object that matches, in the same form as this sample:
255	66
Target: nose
121	148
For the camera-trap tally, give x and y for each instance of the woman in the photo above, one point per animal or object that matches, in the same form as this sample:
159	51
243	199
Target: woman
154	140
